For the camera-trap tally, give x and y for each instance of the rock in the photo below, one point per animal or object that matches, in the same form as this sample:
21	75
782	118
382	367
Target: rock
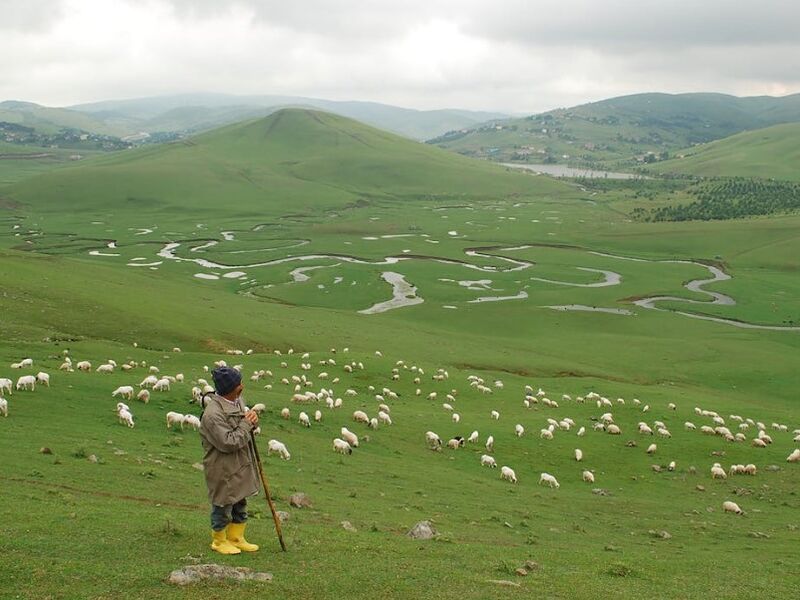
504	582
700	488
92	458
348	526
718	453
521	572
45	450
772	468
656	468
198	466
631	444
283	516
600	492
195	573
758	534
299	500
422	531
662	535
119	452
531	565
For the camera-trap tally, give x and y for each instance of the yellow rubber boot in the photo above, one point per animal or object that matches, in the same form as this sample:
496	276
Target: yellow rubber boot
220	543
236	538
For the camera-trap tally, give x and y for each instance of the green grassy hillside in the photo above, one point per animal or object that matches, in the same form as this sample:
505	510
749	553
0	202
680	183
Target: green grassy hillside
206	245
769	153
48	120
616	131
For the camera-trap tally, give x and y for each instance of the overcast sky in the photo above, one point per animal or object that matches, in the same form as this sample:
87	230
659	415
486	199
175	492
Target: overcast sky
513	55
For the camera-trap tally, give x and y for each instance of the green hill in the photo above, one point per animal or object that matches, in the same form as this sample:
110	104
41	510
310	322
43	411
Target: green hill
48	120
294	157
621	131
772	152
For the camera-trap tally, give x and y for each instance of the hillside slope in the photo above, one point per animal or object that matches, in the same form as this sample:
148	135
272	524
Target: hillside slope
772	152
621	131
294	157
48	120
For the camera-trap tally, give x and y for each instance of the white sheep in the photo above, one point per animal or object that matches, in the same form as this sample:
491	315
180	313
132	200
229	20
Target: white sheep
456	418
495	415
794	456
384	418
3	407
279	448
125	417
6	385
341	446
304	420
578	455
26	381
689	426
718	472
175	418
149	381
286	413
581	431
84	365
613	429
490	444
651	449
588	477
732	507
124	391
105	368
671	466
546	478
43	378
350	437
144	396
488	461
162	385
519	430
360	416
317	416
26	362
455	443
546	434
434	441
473	437
508	474
192	421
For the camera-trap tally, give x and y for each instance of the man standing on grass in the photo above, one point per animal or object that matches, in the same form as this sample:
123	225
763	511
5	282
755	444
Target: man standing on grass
229	464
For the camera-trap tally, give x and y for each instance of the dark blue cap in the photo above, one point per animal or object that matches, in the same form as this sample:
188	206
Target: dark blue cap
226	379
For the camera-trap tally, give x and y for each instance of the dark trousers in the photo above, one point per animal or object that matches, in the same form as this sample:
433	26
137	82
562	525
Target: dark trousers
222	515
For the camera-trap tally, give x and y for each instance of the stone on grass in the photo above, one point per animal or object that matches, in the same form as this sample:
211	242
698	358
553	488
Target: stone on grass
299	500
195	573
348	526
92	458
45	450
422	531
283	516
504	582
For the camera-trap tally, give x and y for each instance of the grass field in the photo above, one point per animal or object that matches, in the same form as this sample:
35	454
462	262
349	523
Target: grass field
303	189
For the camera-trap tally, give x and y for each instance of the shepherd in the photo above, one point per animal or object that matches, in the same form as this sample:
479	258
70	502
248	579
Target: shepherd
229	462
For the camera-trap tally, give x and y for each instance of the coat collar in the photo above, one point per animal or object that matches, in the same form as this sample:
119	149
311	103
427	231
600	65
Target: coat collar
228	406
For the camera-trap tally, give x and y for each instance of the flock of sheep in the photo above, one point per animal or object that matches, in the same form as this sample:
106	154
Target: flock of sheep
298	391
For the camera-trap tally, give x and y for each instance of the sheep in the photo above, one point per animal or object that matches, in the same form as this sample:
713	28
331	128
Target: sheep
26	381
148	381
456	418
759	443
360	416
750	469
26	362
488	461
3	407
126	418
732	507
304	420
651	449
434	441
495	415
581	431
447	406
519	430
341	447
279	448
689	426
5	385
705	429
179	378
473	437
490	444
578	455
613	430
644	428
508	474
671	466
317	416
588	477
546	434
192	421
549	480
144	396
373	423
105	368
384	418
350	437
162	385
794	456
672	406
43	378
718	472
455	443
175	418
84	365
124	391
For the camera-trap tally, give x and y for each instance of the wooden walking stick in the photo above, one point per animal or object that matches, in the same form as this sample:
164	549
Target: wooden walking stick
266	492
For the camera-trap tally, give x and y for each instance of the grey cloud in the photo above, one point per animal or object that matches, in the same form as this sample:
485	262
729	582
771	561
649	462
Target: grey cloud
29	15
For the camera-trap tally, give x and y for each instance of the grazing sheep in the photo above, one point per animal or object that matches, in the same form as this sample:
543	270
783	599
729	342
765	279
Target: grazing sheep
651	449
671	466
360	416
644	428
384	418
105	368
588	477
455	443
495	415
718	472
175	418
508	474
149	381
304	420
519	430
549	480
144	396
456	418
124	391
750	469
490	444
350	437
488	461
473	437
279	448
613	429
581	431
689	426
317	416
26	362
732	507
285	413
43	378
578	455
671	406
546	434
663	432
125	417
5	386
794	456
434	441
759	443
84	365
162	385
26	381
341	447
192	421
3	407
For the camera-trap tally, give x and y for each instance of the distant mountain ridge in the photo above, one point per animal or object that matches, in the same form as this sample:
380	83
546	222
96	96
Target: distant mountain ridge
621	131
